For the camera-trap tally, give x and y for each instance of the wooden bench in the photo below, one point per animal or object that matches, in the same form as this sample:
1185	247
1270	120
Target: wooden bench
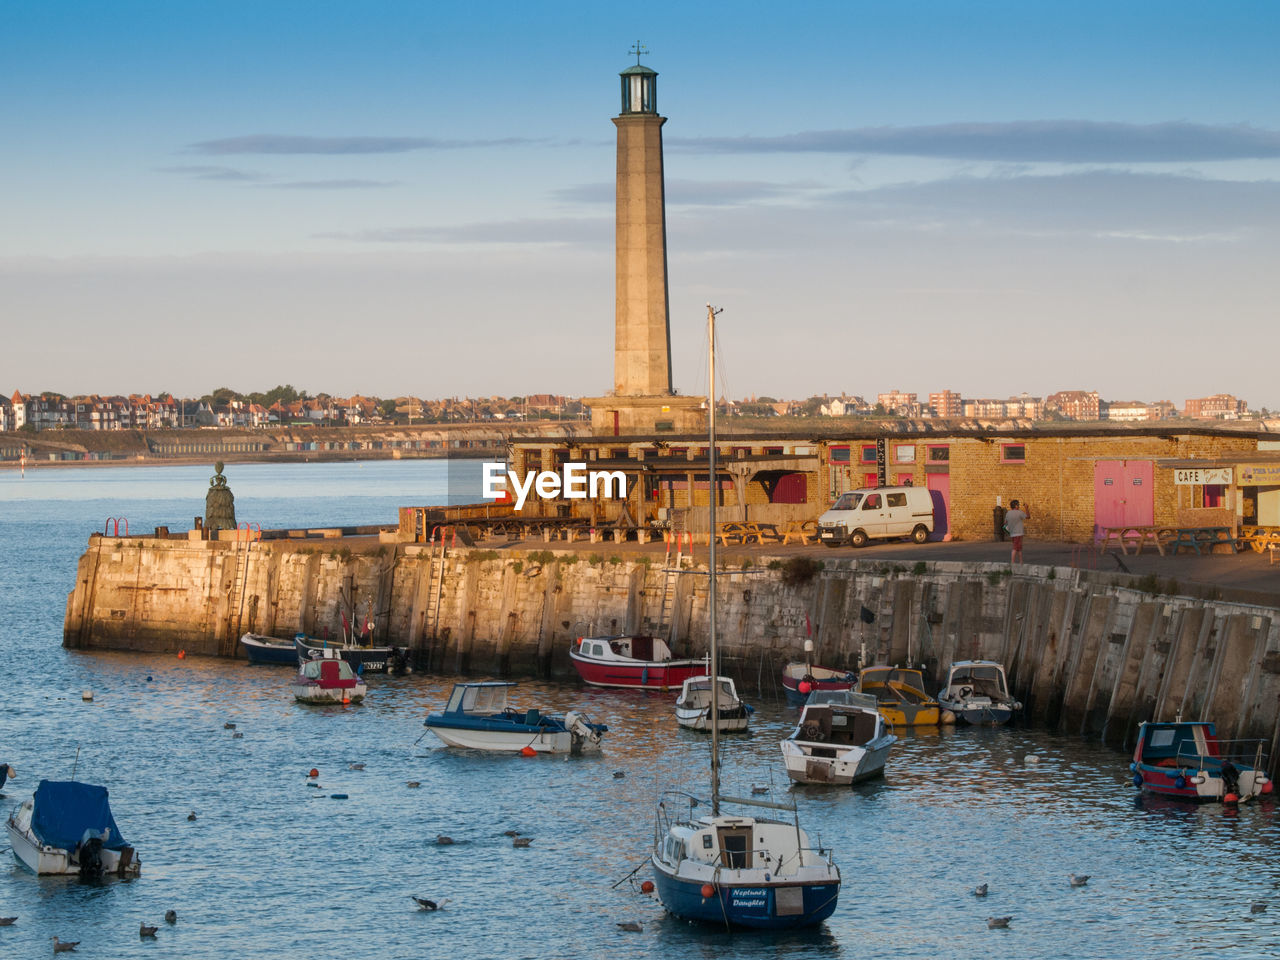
1201	539
1131	536
805	531
1260	539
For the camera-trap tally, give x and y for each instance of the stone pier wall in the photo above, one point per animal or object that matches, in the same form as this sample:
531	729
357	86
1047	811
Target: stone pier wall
1087	653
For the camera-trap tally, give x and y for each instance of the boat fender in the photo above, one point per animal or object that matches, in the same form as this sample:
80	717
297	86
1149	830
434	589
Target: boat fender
1137	779
708	891
1267	786
1180	782
644	677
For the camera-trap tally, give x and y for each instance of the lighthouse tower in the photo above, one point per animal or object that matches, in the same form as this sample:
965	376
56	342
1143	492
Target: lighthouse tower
642	401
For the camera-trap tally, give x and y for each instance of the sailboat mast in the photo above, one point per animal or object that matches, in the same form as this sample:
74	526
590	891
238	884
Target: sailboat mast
713	492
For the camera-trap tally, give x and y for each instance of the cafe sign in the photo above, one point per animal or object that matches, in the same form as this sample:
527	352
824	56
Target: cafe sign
1210	475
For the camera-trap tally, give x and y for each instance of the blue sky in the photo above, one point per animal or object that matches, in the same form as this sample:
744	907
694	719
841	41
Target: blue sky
403	197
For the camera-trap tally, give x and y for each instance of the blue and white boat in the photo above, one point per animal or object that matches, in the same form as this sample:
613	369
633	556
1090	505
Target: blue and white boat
264	649
478	716
67	828
977	692
364	658
736	871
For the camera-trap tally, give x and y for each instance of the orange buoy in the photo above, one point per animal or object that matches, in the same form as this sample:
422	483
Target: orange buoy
1268	787
527	751
1231	798
345	701
646	887
182	654
314	772
708	891
805	686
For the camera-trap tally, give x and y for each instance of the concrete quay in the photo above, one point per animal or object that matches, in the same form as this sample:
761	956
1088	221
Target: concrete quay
1090	649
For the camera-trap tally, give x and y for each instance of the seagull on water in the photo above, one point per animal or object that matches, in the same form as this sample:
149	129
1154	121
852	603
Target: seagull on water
631	926
511	833
428	905
60	947
443	841
413	784
521	841
355	766
1078	881
7	921
171	916
980	890
998	923
1256	907
145	931
228	725
191	816
237	735
619	774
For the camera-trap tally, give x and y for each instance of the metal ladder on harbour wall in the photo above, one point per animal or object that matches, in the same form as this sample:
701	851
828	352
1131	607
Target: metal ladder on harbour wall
435	579
236	597
671	587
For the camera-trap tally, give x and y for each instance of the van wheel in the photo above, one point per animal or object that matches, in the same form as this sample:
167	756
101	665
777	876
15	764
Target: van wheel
858	538
920	534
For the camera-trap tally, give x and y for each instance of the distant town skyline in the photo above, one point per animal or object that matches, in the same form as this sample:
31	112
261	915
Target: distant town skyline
419	199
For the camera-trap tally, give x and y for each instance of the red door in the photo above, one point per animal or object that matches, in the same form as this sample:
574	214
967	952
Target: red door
939	485
1123	493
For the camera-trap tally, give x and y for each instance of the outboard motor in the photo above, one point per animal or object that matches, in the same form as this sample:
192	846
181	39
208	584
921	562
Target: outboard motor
581	731
89	853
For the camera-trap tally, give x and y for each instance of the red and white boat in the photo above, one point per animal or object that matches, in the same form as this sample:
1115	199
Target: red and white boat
632	661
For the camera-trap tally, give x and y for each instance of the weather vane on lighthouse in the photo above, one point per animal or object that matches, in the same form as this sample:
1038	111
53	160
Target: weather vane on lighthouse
638	48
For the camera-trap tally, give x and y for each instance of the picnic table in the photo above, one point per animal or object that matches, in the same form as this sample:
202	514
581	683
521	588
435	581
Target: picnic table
1260	539
764	531
1133	536
1201	539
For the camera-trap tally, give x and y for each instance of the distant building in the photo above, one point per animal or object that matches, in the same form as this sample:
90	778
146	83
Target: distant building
1220	406
899	403
948	404
1132	411
1074	404
1024	407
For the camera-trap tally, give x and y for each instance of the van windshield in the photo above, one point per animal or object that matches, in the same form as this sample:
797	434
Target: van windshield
847	501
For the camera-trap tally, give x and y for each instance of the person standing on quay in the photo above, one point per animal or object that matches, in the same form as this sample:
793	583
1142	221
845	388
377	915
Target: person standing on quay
1014	522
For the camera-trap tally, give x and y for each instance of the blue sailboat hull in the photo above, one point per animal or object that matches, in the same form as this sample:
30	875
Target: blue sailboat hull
750	905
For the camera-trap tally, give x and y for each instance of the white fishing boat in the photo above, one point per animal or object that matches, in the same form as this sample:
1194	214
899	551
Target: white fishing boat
841	739
729	870
479	716
695	710
977	692
67	828
327	679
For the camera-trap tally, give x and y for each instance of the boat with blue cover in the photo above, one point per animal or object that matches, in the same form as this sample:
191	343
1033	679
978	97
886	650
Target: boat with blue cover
478	716
67	828
1186	760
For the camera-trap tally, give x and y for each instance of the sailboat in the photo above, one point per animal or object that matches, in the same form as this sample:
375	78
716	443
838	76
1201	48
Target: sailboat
738	871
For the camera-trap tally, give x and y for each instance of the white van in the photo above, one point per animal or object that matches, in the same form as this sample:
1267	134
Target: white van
877	513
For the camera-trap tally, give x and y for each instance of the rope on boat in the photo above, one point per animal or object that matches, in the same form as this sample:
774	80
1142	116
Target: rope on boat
639	867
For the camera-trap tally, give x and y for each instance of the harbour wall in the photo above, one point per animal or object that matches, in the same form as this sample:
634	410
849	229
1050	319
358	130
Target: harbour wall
1087	653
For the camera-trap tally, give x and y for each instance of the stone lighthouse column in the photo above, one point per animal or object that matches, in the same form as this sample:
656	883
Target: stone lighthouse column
642	353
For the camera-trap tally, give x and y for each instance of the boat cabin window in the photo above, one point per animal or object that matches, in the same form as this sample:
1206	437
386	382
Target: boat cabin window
847	501
1161	738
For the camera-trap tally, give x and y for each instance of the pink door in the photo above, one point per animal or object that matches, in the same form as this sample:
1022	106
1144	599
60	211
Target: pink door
1123	493
939	485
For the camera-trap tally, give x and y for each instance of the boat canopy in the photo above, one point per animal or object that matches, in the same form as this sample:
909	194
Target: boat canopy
64	809
329	671
845	698
985	676
912	678
1186	742
488	697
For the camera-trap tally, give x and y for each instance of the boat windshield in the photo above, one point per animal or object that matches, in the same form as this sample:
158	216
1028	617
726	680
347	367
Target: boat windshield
476	698
985	678
847	501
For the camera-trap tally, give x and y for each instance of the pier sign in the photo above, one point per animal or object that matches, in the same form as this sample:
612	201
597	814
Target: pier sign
573	482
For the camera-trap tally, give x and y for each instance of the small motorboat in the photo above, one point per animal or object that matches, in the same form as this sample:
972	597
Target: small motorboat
365	658
977	692
693	706
327	679
801	679
1187	760
478	716
901	695
632	661
263	649
66	828
841	739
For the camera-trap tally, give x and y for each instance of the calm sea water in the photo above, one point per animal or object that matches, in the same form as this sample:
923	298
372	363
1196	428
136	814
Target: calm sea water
273	868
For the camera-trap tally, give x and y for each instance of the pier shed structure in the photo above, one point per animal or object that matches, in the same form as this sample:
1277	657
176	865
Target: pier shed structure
642	399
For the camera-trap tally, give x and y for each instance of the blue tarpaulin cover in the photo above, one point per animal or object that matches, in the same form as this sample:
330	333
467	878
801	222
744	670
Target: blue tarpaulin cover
65	809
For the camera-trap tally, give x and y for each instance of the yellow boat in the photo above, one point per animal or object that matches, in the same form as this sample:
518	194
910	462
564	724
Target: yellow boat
901	697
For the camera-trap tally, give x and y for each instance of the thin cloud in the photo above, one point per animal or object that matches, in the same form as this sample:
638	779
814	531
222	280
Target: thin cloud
331	185
273	143
1028	141
555	231
226	174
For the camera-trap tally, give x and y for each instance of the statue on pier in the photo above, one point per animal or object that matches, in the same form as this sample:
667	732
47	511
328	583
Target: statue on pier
219	504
